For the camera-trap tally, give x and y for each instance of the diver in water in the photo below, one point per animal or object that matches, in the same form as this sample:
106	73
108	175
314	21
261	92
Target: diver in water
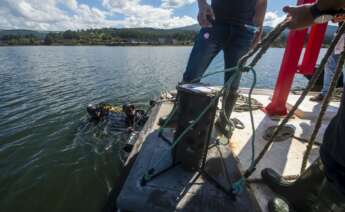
134	117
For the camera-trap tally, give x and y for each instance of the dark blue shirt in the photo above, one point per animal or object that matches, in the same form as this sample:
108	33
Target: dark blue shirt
234	11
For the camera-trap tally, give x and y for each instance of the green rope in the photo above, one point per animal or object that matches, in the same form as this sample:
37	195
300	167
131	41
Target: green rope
168	118
263	47
237	186
179	139
252	165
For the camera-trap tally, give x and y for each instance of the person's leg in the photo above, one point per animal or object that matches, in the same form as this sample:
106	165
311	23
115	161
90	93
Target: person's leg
330	69
207	45
237	45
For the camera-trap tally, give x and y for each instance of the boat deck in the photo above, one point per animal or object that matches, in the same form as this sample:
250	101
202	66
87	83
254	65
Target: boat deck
169	191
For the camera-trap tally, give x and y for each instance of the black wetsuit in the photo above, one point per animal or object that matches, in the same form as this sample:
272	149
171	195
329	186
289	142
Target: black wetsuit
333	149
234	11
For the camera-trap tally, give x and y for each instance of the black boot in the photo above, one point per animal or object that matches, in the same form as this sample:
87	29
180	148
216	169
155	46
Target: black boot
301	193
222	123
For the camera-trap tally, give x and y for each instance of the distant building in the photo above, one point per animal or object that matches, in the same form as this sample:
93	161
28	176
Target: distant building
162	41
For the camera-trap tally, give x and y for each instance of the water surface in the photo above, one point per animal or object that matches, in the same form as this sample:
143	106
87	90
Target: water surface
51	158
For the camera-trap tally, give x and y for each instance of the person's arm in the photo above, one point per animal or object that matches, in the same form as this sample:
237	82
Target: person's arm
330	4
205	13
301	17
260	12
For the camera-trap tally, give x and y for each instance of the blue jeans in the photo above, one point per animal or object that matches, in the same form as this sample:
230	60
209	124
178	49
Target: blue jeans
330	69
234	40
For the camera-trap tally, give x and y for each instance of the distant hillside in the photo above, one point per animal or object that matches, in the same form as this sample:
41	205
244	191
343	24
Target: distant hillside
121	36
22	32
195	28
331	30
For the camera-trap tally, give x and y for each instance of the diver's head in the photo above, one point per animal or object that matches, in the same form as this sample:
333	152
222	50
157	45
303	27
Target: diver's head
93	111
128	109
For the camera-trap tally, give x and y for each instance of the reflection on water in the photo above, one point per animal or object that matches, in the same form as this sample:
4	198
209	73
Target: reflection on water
51	157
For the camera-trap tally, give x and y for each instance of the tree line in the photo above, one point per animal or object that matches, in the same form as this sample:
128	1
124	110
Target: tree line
105	37
112	36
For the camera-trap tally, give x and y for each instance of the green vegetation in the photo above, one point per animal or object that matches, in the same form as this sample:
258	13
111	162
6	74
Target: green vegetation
135	36
20	40
125	36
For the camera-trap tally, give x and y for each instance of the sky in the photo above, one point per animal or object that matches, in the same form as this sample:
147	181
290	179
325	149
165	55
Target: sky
84	14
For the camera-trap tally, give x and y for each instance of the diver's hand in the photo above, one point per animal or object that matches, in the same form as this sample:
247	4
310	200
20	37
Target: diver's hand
205	13
300	16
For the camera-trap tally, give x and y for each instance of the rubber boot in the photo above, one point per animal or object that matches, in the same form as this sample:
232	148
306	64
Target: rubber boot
301	193
329	199
222	125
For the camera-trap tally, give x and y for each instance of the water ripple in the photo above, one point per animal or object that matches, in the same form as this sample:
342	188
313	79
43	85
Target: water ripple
49	152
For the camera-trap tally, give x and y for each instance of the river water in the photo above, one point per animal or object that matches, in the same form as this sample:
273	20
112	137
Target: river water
51	157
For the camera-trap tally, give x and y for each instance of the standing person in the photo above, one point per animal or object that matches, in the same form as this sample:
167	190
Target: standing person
231	26
322	187
331	65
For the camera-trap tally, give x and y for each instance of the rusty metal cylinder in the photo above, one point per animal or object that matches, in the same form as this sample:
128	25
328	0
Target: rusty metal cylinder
193	99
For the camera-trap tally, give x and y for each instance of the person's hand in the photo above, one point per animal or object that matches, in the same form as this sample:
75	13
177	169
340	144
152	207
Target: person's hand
205	13
339	18
300	17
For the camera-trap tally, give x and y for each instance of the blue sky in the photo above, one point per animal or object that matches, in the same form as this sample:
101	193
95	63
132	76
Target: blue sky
81	14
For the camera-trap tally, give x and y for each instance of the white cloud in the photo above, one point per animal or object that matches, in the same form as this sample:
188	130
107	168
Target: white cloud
141	15
273	19
33	14
69	14
176	3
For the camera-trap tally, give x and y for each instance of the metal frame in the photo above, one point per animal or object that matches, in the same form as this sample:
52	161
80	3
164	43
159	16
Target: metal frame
200	172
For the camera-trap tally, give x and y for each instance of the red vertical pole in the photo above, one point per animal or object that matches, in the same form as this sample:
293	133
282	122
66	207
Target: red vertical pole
317	35
287	73
288	70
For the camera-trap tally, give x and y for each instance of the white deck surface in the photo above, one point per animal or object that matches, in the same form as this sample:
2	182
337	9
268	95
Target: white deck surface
309	110
284	157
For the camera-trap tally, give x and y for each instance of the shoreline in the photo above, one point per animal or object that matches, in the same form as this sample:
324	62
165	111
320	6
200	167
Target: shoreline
98	45
95	45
